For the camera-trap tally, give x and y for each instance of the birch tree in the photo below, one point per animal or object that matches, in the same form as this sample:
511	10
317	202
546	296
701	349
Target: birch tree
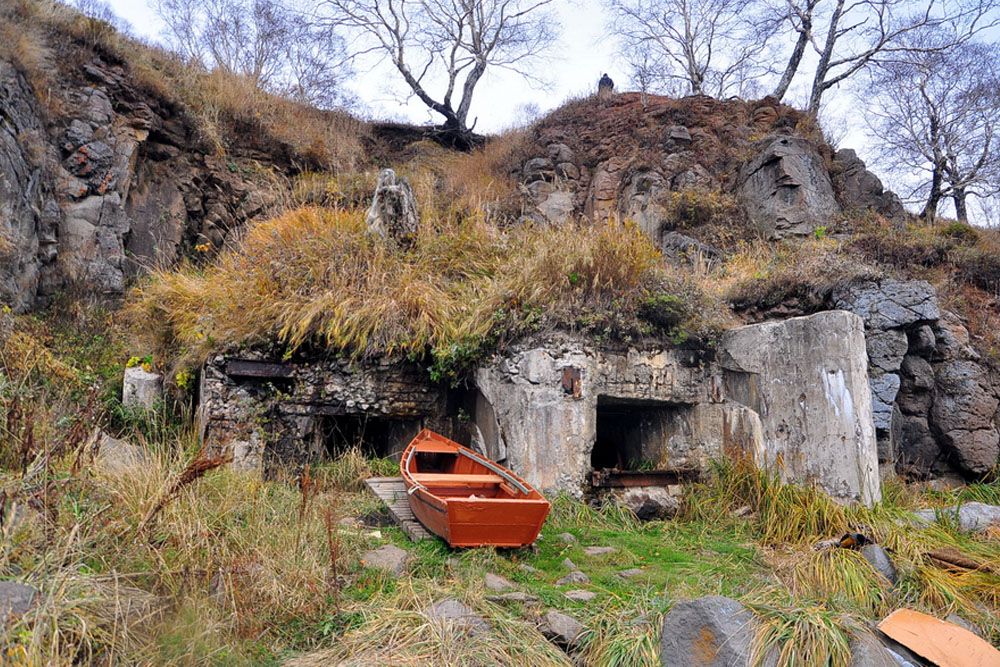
279	50
712	47
848	36
937	116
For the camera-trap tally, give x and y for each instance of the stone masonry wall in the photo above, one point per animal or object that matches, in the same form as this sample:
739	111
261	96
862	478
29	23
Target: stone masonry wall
263	412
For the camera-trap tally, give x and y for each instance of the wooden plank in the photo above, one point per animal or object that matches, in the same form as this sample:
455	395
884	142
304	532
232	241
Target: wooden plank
392	491
457	479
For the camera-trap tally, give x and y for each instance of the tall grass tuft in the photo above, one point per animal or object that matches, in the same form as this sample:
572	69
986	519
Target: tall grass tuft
785	513
316	276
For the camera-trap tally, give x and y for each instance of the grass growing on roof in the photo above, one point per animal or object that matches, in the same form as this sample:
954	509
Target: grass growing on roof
315	276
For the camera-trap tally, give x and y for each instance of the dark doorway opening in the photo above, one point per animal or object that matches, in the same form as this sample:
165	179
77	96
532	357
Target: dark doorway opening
635	435
374	436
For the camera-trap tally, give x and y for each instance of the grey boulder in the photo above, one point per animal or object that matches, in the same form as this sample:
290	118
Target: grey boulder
710	631
15	599
970	517
388	558
786	189
561	629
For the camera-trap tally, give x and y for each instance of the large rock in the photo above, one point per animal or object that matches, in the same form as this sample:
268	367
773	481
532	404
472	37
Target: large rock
889	304
963	411
15	599
710	631
858	188
786	189
868	651
970	517
807	378
495	582
22	191
884	389
649	503
561	629
104	183
393	213
388	558
116	455
879	560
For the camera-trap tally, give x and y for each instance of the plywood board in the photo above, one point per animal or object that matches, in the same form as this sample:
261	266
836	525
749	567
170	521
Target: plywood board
942	643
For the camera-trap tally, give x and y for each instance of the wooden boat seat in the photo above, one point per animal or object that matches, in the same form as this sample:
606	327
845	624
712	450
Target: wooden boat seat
448	478
432	447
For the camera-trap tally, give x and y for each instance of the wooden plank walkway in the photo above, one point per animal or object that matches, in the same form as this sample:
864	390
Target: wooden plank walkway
393	492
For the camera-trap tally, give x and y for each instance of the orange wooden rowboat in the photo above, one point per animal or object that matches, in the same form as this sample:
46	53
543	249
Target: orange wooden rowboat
467	499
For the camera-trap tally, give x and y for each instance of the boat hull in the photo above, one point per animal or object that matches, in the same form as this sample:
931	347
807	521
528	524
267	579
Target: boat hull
472	506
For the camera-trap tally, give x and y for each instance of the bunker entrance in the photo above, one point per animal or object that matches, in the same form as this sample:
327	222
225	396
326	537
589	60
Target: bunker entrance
374	436
636	441
633	435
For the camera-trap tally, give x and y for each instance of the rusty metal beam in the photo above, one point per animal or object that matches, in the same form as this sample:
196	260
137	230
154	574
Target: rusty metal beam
242	368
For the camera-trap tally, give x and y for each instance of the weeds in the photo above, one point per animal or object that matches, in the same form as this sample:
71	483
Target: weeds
193	471
316	276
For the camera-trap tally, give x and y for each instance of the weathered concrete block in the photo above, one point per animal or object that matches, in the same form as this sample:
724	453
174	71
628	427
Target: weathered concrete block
141	388
807	377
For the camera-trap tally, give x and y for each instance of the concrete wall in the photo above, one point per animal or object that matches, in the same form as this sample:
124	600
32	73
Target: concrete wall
807	378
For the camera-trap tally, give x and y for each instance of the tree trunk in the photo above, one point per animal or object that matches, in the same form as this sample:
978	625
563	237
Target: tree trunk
961	211
793	62
823	67
930	208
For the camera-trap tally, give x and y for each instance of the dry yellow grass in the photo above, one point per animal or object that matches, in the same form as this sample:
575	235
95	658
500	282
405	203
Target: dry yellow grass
316	276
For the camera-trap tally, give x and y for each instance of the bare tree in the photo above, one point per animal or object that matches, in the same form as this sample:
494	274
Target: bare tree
442	48
938	114
711	46
278	49
847	36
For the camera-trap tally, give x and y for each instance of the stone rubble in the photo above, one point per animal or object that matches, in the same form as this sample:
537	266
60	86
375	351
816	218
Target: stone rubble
453	613
389	558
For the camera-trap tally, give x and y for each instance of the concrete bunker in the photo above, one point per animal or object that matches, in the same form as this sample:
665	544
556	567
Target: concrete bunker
562	412
636	434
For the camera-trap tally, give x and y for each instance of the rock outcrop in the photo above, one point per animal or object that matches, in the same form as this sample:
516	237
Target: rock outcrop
28	213
103	183
807	378
393	213
935	405
634	157
858	188
786	189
